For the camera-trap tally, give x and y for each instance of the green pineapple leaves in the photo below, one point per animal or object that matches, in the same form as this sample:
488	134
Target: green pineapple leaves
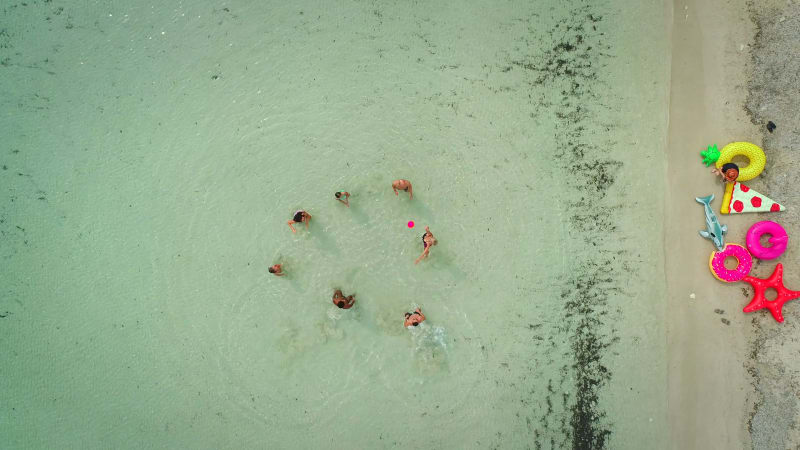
711	155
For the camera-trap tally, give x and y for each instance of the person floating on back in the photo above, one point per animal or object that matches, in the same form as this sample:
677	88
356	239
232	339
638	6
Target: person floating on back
346	196
299	217
403	185
427	242
276	270
414	319
341	301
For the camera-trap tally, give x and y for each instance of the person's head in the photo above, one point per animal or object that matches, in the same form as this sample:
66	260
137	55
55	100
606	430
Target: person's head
731	171
340	304
272	269
338	195
416	324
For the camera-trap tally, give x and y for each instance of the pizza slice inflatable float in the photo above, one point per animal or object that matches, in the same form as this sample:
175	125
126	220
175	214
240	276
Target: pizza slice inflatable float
739	198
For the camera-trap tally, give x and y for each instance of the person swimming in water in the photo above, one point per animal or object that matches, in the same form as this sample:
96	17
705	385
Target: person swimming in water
300	216
414	319
428	241
341	301
276	270
403	185
729	172
346	196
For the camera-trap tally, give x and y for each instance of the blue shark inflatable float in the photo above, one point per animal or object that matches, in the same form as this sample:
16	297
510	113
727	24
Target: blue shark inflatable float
714	232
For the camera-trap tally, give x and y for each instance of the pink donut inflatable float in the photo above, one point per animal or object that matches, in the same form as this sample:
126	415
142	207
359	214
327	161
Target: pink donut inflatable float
778	239
717	263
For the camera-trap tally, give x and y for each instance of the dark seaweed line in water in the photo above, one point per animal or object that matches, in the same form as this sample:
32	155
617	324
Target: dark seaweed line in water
571	64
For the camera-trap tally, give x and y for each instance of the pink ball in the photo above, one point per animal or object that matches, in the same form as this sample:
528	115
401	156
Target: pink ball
410	224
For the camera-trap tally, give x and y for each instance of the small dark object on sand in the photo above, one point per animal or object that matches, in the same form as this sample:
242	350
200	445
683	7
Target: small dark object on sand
771	126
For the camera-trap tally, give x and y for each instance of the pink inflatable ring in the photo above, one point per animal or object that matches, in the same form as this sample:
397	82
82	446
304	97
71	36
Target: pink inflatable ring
778	239
717	263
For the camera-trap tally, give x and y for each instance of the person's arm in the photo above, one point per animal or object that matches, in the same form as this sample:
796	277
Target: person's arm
308	219
410	191
347	199
290	226
395	190
424	253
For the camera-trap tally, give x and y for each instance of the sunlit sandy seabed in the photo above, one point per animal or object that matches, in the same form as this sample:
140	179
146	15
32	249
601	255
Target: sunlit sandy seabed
152	153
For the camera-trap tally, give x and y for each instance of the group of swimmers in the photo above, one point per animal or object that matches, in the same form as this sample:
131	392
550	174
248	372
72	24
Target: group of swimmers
346	302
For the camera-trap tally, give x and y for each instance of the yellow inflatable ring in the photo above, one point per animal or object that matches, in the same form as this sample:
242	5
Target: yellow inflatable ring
750	151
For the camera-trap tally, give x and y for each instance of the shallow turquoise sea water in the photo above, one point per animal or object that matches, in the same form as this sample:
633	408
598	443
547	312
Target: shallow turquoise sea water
153	152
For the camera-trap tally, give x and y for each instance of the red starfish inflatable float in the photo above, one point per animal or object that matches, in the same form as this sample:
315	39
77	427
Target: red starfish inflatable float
760	286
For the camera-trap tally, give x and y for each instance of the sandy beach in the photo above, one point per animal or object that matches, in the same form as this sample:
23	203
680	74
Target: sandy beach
728	371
